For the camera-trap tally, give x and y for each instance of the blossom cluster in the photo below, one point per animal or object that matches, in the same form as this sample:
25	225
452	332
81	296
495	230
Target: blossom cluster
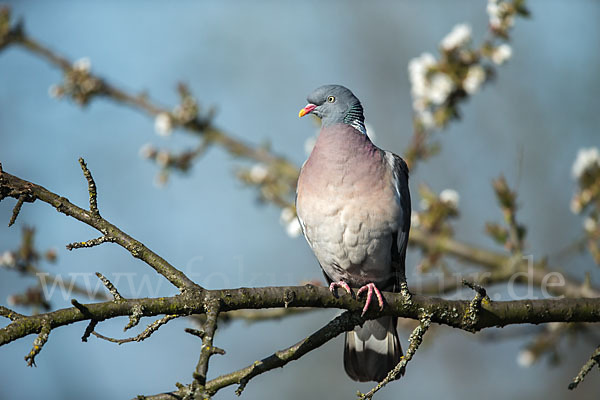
290	221
183	113
586	172
78	83
437	84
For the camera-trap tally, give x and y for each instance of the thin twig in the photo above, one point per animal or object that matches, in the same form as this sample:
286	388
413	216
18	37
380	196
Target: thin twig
38	343
344	322
89	329
150	329
137	312
587	367
213	307
91	187
111	288
16	210
415	340
11	186
10	314
90	243
474	310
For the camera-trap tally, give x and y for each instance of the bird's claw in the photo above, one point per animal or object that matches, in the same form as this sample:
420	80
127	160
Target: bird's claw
334	285
370	288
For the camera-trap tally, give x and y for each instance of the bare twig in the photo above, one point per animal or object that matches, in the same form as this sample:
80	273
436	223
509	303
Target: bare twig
16	210
150	329
91	187
474	309
137	312
415	340
499	262
10	314
11	186
213	307
90	243
587	367
196	332
89	330
38	343
111	288
340	324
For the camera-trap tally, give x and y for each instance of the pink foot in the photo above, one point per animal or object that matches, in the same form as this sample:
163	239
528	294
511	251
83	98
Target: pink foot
341	284
370	288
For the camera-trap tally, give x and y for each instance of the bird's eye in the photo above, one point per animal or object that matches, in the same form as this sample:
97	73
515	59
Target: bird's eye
331	99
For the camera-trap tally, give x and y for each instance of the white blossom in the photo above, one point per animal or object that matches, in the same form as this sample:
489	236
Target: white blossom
586	159
493	11
590	224
415	220
163	124
309	144
55	91
575	206
161	179
83	64
441	87
427	119
258	172
417	72
162	158
147	151
7	259
286	216
458	37
450	196
293	228
475	77
526	358
288	219
419	104
501	53
424	204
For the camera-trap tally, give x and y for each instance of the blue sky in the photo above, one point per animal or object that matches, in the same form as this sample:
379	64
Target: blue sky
256	62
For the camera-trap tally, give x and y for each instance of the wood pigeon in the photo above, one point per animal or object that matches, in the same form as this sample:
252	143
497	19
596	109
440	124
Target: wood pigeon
353	204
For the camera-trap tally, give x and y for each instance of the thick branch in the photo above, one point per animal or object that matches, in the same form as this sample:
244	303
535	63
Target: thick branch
446	312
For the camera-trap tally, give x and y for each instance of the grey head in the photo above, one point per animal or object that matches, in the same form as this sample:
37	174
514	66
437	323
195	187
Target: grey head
335	104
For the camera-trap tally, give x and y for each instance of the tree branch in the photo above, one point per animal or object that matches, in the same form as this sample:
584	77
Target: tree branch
415	340
339	324
212	307
446	312
11	186
587	367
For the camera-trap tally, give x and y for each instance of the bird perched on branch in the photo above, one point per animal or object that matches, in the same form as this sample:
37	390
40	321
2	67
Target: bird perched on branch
353	204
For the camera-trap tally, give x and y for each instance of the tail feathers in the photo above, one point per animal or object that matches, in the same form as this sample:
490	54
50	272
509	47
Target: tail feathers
372	350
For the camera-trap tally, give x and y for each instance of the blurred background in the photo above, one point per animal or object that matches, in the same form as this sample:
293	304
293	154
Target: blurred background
256	62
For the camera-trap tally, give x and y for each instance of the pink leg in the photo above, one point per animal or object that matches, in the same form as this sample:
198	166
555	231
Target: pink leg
370	288
341	284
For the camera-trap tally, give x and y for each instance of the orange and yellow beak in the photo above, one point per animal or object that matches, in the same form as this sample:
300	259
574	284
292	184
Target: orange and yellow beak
306	110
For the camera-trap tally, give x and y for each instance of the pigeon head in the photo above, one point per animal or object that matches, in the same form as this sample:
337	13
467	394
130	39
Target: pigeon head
335	104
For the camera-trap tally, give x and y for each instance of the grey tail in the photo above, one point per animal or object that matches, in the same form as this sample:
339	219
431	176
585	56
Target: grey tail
373	350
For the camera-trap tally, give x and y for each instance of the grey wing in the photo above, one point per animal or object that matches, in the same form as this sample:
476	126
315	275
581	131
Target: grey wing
400	181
